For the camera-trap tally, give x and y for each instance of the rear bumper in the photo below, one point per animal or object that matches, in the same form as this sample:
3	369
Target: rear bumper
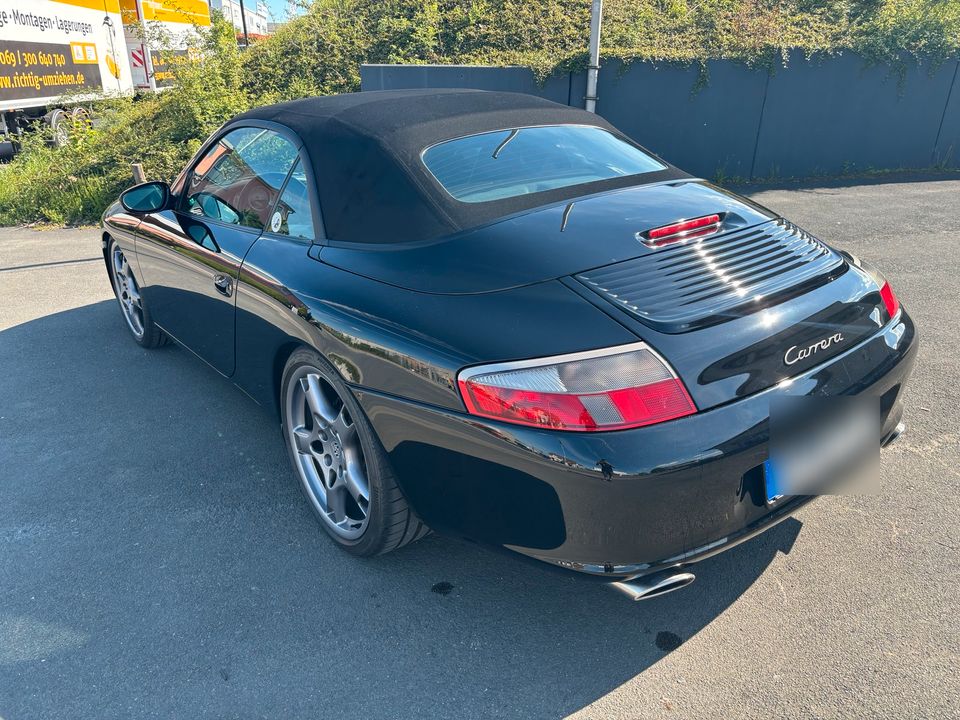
627	503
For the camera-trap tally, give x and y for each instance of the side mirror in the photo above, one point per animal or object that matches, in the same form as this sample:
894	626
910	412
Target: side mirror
146	198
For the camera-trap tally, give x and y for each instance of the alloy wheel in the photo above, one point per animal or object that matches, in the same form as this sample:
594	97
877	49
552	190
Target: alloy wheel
328	452
128	292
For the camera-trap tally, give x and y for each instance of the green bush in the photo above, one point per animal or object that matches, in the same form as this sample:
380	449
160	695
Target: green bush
321	53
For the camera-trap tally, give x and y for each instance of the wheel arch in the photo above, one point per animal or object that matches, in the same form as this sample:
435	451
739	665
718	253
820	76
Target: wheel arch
280	358
282	355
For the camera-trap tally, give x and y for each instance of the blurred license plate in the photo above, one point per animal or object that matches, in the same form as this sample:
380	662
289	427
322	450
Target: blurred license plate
822	446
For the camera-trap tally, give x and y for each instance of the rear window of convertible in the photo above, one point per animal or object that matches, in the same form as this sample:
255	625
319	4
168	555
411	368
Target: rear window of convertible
518	161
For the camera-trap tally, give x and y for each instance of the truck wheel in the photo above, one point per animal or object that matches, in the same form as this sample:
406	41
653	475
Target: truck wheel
80	117
59	122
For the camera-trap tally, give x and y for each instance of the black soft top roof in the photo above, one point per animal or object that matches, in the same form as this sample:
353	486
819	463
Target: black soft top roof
365	150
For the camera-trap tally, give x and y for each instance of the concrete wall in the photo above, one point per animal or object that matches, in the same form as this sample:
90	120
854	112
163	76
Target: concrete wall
826	116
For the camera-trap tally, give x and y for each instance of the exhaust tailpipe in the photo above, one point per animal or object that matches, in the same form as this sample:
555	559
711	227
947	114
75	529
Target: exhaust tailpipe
654	585
894	434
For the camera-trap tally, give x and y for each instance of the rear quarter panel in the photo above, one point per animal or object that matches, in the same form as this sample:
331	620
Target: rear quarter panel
397	341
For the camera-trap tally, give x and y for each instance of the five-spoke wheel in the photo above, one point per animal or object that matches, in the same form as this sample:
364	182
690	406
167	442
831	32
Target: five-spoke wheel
329	453
343	470
132	305
125	286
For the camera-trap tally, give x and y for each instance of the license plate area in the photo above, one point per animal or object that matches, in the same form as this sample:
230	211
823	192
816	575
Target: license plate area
822	446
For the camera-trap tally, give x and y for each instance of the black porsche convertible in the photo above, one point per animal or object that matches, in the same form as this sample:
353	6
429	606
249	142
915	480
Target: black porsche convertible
499	317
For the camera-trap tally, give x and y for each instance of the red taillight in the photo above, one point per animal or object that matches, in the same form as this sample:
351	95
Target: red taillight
697	227
607	390
890	300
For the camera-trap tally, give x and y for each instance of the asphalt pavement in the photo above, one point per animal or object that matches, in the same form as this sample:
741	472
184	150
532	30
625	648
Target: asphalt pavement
157	561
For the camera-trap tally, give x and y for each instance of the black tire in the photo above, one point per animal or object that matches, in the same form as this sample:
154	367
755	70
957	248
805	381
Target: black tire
150	336
390	522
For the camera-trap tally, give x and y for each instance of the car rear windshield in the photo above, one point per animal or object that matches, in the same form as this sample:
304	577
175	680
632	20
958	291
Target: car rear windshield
511	162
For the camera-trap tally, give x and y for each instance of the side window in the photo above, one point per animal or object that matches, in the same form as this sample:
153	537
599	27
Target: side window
292	216
239	178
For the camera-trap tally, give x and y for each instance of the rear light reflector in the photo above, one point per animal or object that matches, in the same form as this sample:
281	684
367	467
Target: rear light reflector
890	300
613	389
696	227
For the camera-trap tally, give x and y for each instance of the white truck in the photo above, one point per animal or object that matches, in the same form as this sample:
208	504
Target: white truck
157	31
57	54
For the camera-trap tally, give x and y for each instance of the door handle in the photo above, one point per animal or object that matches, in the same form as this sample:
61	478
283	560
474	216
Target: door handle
223	283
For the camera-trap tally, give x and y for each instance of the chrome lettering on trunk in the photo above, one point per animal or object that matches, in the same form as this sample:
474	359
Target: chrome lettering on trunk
794	355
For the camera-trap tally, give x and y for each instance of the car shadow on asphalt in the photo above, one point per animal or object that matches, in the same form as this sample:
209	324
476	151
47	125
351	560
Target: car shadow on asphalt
155	554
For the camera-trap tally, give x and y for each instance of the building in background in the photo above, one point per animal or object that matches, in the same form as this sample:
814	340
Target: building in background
257	14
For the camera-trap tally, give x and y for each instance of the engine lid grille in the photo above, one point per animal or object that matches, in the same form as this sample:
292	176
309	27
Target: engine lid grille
683	286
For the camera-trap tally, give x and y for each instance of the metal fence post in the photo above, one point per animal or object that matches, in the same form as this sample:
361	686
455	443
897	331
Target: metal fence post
590	99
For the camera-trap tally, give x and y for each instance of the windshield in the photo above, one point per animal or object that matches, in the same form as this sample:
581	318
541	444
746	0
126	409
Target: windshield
518	161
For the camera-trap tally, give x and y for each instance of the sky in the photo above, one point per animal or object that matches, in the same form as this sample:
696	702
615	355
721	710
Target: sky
278	9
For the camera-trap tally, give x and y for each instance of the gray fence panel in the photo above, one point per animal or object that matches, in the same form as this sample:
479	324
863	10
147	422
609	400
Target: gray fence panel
709	131
828	116
947	152
578	88
477	77
839	116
